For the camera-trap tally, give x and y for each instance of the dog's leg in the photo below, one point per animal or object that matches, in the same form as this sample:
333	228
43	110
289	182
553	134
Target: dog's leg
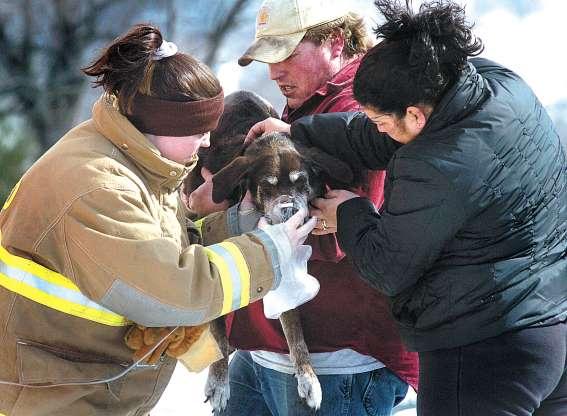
217	388
308	385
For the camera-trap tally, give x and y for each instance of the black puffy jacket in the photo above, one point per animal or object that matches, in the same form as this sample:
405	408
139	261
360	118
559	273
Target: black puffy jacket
472	239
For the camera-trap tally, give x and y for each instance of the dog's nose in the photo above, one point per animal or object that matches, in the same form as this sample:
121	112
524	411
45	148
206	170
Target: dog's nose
287	210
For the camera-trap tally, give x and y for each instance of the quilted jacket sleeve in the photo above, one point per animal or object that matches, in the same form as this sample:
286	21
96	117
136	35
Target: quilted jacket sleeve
394	248
349	136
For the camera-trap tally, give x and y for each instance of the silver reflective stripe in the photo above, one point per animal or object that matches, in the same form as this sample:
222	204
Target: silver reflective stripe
44	286
146	310
233	273
51	289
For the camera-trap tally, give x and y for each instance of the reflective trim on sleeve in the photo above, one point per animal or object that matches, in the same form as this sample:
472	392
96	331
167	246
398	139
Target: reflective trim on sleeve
199	225
234	275
11	196
51	289
242	268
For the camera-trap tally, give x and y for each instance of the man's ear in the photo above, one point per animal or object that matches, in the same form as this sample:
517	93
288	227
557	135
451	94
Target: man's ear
226	180
337	45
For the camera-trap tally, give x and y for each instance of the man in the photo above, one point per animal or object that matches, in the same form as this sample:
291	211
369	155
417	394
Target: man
313	49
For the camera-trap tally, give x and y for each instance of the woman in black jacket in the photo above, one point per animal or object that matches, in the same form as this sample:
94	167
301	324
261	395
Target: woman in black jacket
471	242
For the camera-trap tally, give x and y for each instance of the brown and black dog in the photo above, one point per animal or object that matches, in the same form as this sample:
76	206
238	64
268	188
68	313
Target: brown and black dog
282	177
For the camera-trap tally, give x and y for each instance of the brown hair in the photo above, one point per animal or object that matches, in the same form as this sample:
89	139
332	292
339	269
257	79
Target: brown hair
126	68
353	29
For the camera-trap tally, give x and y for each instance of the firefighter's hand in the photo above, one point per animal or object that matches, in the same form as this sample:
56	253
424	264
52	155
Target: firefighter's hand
142	340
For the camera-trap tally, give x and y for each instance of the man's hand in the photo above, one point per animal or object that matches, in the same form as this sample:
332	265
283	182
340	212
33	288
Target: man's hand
269	125
325	209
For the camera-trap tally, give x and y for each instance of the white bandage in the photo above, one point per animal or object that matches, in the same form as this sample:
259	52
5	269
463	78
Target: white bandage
296	286
165	50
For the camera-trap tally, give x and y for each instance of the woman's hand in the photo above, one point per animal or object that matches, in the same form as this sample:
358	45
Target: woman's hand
268	125
325	209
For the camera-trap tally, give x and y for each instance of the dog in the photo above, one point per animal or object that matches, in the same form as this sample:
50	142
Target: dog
282	177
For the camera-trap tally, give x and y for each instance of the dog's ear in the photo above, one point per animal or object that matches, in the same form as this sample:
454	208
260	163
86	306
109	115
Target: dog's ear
334	168
226	180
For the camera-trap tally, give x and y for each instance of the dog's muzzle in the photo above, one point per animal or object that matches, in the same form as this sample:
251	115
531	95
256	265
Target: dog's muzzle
283	208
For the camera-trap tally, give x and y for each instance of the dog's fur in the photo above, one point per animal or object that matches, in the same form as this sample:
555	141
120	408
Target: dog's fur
278	173
276	170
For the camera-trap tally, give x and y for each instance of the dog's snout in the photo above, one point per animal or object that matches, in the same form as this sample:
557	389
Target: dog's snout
287	211
284	207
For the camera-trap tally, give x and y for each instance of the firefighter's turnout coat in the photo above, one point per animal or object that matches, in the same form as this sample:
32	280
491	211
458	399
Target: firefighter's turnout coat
93	238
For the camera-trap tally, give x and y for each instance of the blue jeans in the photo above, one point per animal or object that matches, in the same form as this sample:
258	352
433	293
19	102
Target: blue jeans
259	391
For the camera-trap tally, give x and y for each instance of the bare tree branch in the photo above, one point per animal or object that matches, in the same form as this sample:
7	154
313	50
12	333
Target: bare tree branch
44	47
222	29
171	18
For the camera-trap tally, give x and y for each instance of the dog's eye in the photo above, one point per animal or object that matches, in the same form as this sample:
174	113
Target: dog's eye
297	177
270	180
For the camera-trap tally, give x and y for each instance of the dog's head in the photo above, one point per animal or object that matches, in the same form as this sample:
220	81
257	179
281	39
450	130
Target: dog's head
281	177
242	109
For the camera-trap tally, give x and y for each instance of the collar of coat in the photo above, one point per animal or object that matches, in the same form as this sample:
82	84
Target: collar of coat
459	101
131	142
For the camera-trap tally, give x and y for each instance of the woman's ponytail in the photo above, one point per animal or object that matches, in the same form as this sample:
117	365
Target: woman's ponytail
126	65
131	66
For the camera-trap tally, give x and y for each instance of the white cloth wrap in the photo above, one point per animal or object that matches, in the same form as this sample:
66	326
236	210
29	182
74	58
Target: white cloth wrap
296	286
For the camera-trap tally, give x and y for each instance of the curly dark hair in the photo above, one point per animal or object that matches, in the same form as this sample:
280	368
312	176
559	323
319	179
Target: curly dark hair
420	55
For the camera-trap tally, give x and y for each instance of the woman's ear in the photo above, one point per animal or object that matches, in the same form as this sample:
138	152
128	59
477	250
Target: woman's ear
416	117
226	180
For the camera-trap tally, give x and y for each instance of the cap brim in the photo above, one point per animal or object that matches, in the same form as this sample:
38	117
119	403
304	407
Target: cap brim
271	49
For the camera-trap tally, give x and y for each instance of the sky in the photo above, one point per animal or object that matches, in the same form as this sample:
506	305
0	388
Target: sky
527	36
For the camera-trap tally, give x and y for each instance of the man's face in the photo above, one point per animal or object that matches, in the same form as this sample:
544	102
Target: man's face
307	69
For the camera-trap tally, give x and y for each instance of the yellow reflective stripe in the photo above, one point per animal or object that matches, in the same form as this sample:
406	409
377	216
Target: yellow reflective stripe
51	289
59	304
199	225
234	274
226	281
11	196
32	267
244	272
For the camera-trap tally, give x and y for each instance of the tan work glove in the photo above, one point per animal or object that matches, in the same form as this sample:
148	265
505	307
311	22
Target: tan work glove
142	339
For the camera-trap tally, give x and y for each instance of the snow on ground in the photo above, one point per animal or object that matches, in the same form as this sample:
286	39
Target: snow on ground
184	397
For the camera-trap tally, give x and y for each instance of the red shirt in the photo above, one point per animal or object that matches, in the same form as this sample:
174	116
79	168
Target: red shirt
347	312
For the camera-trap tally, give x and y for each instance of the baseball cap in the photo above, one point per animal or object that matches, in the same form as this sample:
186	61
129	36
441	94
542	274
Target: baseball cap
281	24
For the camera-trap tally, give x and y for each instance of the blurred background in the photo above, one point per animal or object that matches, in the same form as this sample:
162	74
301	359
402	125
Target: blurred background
44	43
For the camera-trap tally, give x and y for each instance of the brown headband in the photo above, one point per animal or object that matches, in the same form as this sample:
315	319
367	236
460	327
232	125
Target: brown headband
175	118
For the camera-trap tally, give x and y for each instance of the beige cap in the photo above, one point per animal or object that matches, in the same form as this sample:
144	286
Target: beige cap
281	24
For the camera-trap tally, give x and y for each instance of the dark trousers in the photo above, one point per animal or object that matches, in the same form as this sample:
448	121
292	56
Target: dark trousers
518	373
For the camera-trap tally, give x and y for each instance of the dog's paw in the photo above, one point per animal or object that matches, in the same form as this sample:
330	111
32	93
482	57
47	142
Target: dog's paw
309	388
217	391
